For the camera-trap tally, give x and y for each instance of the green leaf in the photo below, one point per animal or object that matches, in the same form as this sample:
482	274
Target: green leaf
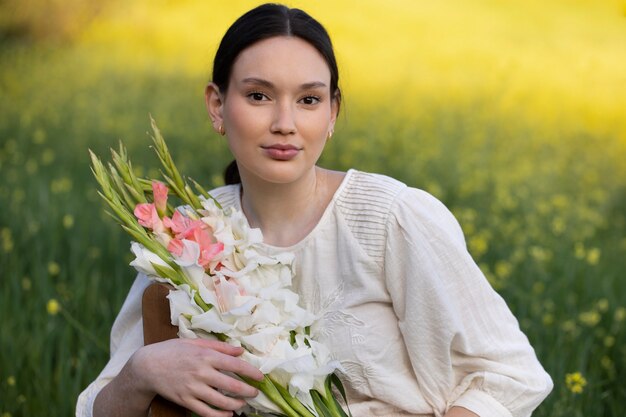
167	272
120	188
333	379
164	155
205	193
320	406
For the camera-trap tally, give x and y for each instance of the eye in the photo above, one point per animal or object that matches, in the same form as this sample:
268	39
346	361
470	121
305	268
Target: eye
310	100
257	96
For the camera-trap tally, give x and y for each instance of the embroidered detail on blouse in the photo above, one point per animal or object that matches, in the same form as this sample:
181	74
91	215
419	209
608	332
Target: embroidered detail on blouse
357	373
331	317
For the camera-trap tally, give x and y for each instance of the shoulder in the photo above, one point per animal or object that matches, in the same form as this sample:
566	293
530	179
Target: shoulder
418	215
378	207
227	195
367	194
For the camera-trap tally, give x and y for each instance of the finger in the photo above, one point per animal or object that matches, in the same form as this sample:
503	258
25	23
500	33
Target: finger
213	397
219	346
239	367
232	385
204	410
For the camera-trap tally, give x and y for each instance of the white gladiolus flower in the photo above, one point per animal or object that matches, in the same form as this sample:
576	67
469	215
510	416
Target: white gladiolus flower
184	329
190	255
263	340
210	321
208	295
264	313
181	304
144	259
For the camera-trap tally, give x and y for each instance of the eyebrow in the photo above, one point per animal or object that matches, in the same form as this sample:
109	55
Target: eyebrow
265	83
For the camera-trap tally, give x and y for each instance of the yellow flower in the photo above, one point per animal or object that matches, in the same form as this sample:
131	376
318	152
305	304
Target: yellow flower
7	239
569	326
503	269
54	268
548	319
560	201
606	363
478	245
593	256
26	284
589	318
603	305
53	307
609	341
540	254
47	157
39	136
68	221
575	382
558	225
11	381
620	314
61	185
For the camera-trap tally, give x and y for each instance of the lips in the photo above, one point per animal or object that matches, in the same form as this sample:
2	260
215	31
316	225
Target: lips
281	152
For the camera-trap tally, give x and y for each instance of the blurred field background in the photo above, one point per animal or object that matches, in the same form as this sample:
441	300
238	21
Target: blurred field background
512	113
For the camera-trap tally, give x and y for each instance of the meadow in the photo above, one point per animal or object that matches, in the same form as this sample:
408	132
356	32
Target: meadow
512	114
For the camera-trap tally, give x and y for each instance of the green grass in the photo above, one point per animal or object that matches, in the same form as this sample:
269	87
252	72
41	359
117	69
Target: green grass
542	203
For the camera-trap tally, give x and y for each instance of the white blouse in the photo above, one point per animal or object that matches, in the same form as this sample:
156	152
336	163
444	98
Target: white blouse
413	321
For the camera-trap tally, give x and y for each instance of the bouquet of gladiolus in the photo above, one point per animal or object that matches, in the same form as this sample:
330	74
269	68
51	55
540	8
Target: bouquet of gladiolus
224	287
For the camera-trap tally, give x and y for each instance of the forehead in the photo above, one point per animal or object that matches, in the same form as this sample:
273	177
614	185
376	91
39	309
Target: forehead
282	59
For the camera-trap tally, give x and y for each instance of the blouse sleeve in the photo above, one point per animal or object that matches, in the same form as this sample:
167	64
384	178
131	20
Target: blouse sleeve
126	338
465	345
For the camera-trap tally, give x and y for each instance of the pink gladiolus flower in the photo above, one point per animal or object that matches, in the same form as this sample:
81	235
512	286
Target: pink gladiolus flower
209	253
159	191
196	231
183	227
208	249
175	247
147	216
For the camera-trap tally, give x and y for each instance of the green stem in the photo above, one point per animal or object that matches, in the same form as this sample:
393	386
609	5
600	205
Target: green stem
269	389
293	402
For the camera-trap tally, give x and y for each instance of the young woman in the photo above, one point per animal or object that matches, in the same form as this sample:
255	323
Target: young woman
417	328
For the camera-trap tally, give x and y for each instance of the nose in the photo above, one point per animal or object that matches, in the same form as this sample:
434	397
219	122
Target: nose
284	122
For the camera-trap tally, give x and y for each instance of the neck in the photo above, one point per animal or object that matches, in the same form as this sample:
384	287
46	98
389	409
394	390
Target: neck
286	213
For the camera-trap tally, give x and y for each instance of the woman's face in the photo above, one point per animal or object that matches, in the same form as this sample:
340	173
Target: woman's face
278	110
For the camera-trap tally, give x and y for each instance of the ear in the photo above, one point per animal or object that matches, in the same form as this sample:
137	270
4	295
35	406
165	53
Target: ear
334	111
215	106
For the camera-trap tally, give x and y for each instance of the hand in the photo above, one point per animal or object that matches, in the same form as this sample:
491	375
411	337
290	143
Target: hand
190	372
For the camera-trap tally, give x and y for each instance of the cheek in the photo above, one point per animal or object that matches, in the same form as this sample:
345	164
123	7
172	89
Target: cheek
315	125
240	118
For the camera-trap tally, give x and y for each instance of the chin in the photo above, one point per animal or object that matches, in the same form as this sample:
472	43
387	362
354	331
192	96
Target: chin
281	174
